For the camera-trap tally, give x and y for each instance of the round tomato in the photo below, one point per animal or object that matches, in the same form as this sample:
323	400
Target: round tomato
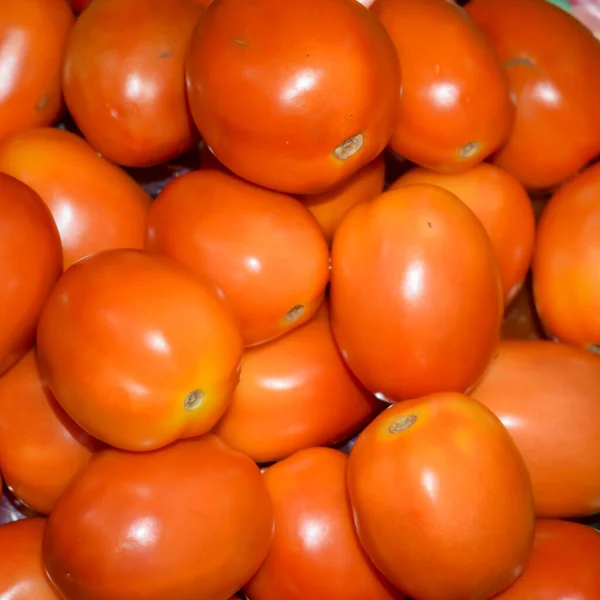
272	101
137	350
126	91
416	294
190	521
442	498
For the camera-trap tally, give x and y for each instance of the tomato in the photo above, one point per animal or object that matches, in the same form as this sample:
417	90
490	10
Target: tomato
193	520
315	551
565	563
79	5
273	103
264	250
503	207
126	92
521	321
137	350
553	63
442	499
454	108
294	393
33	36
415	293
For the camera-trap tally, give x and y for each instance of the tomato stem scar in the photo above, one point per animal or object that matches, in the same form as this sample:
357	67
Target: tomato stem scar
294	313
469	149
193	400
349	147
402	423
595	348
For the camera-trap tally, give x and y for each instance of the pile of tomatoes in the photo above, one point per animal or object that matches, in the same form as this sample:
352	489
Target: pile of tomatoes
301	300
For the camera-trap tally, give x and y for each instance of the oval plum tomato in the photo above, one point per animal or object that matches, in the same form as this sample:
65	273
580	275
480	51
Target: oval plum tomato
566	262
548	397
295	392
264	250
273	103
137	350
315	551
96	205
442	499
193	520
416	294
553	63
33	36
126	92
31	256
502	205
454	108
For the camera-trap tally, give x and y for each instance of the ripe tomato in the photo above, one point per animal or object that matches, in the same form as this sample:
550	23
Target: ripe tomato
272	101
193	520
30	255
553	63
454	108
137	350
96	206
264	250
442	499
503	207
416	294
294	393
315	551
126	92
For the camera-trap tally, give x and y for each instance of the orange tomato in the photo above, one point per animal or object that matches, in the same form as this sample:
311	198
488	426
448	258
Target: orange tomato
553	63
273	103
416	294
442	499
454	108
264	250
502	205
190	521
137	350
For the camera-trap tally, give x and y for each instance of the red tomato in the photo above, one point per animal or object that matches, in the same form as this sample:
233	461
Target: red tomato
315	551
126	91
190	521
415	293
273	103
442	499
264	250
553	63
137	350
30	257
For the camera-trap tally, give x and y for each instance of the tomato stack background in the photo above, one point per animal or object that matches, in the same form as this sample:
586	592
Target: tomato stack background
301	300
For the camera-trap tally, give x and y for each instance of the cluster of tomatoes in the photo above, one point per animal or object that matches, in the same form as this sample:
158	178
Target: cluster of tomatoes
300	298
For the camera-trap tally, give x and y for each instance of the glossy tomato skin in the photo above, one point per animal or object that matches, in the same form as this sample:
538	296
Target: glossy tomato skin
442	499
294	393
193	520
162	349
454	109
315	551
30	255
555	84
126	92
296	122
263	249
96	205
415	293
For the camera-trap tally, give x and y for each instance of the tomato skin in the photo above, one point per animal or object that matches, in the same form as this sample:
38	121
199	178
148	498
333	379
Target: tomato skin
555	83
138	386
442	499
288	123
315	551
393	260
119	87
79	5
264	250
150	526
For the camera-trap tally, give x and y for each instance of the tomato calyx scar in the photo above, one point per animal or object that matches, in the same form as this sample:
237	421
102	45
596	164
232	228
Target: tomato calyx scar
193	400
402	424
469	150
294	313
349	147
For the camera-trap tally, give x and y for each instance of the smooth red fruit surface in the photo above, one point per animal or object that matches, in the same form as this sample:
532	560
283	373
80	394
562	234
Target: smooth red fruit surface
137	350
442	499
416	294
273	103
193	520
